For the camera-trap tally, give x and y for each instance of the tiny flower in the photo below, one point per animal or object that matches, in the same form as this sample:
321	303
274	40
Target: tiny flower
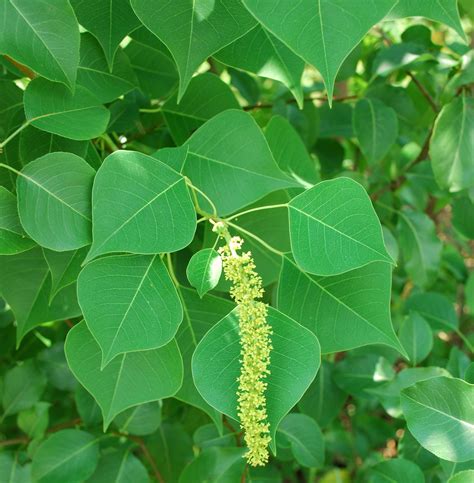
255	343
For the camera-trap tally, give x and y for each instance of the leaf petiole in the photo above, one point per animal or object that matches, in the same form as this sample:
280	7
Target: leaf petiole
258	208
13	135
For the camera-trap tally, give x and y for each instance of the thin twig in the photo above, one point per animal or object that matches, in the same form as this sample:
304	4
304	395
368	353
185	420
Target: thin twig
22	68
424	92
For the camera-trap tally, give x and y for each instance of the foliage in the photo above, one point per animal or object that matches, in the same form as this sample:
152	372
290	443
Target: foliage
146	146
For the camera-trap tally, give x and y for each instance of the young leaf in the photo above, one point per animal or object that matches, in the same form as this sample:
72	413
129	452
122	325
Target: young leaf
42	35
108	20
440	414
12	236
207	95
416	337
198	31
204	270
334	228
129	380
313	29
294	362
452	146
305	438
344	311
229	155
22	388
272	59
59	186
376	127
68	455
54	108
9	465
435	308
140	420
129	304
140	205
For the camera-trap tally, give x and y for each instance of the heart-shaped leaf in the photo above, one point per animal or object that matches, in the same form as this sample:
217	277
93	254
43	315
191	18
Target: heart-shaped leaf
136	204
129	303
322	32
294	362
200	29
59	186
129	380
344	311
52	107
334	228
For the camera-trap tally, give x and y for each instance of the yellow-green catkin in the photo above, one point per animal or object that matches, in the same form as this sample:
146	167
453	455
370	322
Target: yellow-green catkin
255	341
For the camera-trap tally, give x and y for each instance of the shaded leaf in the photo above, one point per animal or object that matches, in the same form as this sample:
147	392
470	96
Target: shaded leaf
395	470
129	380
416	337
119	467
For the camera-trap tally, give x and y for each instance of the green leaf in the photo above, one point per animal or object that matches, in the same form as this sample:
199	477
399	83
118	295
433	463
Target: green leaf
200	315
35	143
53	363
444	11
305	438
440	414
34	421
129	380
323	409
119	467
215	465
140	420
416	337
294	362
193	31
389	393
94	75
206	96
49	39
68	455
152	63
451	147
344	311
376	127
11	107
22	388
53	108
466	476
129	304
12	236
64	267
88	409
435	308
108	20
57	185
420	246
229	155
272	59
204	270
334	228
26	286
322	32
140	205
463	214
290	153
12	471
395	470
